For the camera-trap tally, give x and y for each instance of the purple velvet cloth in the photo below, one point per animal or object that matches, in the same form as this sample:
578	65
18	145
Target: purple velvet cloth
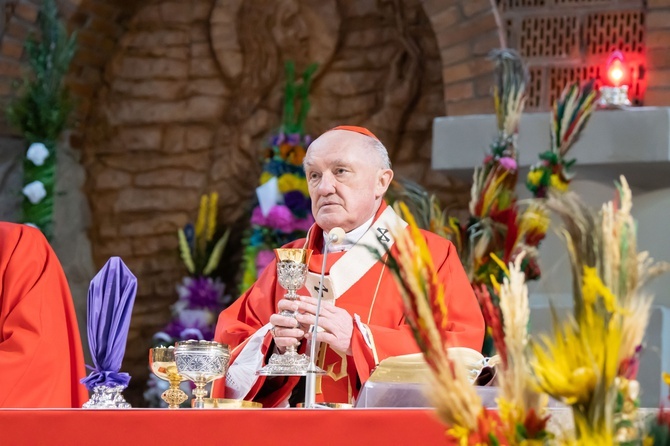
111	296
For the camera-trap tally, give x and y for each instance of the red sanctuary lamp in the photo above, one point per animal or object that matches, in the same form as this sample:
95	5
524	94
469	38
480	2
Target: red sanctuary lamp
617	80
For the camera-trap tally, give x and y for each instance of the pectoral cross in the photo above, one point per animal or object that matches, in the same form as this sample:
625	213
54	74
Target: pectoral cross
316	288
383	237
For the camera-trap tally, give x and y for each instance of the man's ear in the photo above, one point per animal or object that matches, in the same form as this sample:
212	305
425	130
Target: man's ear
384	178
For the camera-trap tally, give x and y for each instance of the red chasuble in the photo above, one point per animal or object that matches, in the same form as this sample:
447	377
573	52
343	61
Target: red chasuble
41	359
373	300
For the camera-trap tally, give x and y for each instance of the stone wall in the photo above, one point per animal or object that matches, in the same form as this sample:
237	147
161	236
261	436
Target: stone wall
191	93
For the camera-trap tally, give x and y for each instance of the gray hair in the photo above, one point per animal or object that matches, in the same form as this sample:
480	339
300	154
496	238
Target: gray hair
374	144
382	153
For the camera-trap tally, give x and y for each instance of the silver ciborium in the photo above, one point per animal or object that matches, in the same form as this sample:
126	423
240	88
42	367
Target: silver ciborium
291	273
162	364
201	362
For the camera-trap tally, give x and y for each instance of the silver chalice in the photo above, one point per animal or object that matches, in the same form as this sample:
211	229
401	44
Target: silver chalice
291	273
201	362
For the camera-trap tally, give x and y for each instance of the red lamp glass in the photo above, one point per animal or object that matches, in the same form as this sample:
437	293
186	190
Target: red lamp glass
615	93
616	73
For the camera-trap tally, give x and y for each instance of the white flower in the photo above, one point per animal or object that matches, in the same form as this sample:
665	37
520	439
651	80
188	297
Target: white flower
195	318
37	153
34	191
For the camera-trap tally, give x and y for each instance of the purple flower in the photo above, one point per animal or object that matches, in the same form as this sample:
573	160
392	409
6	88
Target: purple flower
182	333
280	218
201	292
508	163
297	202
278	139
257	217
189	232
307	140
294	139
263	259
192	324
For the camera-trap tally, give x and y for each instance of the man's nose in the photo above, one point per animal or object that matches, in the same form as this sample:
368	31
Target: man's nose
326	185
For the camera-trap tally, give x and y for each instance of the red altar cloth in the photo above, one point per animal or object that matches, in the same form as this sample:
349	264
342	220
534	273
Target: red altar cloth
220	427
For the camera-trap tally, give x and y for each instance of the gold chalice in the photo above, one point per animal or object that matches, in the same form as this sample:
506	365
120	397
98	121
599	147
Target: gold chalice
162	363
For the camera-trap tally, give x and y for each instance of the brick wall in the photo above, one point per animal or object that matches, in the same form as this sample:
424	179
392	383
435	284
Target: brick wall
466	32
658	53
98	23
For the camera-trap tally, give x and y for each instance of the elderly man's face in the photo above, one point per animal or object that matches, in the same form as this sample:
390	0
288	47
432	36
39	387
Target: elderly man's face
345	178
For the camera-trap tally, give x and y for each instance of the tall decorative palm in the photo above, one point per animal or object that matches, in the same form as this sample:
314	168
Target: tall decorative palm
41	112
283	214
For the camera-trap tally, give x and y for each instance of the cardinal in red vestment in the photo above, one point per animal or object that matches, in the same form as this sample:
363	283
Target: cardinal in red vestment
41	358
361	319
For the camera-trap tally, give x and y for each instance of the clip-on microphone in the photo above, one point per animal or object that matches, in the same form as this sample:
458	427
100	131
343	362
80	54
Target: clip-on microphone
335	236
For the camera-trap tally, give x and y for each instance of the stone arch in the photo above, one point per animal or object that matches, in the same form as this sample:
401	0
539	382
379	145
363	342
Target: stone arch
149	148
151	151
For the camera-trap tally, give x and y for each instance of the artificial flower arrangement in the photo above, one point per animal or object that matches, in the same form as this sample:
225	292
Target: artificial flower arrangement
522	418
283	211
569	117
201	296
41	114
658	428
592	359
589	361
500	226
498	223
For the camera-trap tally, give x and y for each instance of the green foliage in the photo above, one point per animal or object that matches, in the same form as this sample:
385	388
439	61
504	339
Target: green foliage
198	249
295	95
41	110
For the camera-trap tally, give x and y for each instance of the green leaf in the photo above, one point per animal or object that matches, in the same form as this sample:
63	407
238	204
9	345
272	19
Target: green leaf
185	251
215	257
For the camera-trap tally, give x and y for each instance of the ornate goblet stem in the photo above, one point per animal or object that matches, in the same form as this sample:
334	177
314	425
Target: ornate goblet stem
162	363
174	396
200	393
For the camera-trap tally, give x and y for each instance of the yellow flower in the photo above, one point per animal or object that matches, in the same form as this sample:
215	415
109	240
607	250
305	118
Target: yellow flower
510	413
666	378
579	356
533	225
535	176
265	177
289	182
460	433
211	215
557	183
202	216
592	287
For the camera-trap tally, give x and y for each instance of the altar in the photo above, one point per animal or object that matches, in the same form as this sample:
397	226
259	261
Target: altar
29	427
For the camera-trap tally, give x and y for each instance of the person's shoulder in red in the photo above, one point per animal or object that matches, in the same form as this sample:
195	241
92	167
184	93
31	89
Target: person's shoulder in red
41	358
439	246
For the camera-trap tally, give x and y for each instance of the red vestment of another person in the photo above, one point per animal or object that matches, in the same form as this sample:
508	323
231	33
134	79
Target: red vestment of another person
41	358
371	296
